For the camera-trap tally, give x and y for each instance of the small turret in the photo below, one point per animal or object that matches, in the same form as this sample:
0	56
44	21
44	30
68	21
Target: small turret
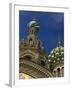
33	27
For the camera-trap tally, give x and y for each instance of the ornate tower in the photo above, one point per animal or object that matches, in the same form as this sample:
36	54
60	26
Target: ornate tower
32	31
31	48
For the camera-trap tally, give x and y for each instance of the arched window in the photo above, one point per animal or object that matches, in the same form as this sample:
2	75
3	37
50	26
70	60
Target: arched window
54	73
42	63
62	71
58	72
30	41
27	57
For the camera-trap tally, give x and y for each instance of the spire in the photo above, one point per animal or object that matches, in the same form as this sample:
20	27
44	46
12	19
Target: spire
59	39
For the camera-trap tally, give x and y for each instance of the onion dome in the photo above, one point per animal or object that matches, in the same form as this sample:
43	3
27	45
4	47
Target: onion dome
56	57
33	27
57	54
33	23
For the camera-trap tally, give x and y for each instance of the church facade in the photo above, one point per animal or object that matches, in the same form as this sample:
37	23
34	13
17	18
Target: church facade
33	60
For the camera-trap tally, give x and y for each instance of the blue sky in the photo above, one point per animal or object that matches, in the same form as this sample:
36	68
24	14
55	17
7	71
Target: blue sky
51	23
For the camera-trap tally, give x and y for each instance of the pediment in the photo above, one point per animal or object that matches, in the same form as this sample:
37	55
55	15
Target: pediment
30	53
